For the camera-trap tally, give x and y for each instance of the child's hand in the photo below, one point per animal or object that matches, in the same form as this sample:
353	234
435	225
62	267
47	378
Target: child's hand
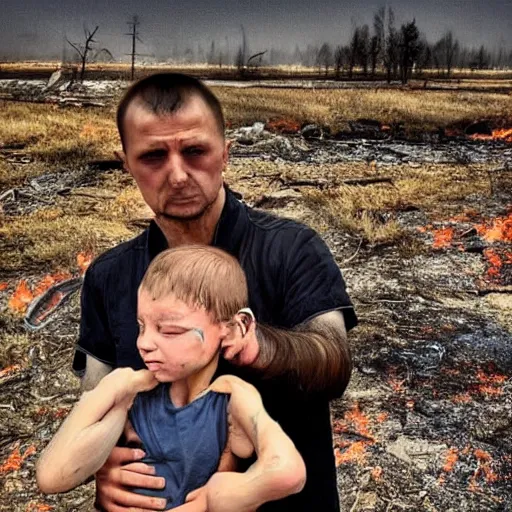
143	380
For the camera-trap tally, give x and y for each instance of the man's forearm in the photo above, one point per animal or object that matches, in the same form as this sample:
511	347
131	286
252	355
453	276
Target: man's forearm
315	355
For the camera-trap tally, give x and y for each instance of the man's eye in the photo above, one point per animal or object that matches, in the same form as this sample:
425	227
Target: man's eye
153	155
193	151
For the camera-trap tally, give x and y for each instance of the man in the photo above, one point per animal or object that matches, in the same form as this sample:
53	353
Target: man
172	131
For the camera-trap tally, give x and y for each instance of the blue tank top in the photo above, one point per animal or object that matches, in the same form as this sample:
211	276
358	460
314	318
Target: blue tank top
184	444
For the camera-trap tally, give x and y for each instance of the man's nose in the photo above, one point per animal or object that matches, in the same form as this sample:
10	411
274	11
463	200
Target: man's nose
176	171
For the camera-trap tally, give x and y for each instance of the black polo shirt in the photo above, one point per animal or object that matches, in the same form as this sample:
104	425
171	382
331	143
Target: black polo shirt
291	276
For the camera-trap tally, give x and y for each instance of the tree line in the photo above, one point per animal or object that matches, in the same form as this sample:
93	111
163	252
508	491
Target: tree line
382	49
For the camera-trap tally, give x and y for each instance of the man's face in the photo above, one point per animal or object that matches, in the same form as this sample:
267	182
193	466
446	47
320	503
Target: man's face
177	160
168	340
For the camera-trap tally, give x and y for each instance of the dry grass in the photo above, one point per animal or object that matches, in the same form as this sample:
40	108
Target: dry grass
370	211
418	110
52	237
14	347
57	135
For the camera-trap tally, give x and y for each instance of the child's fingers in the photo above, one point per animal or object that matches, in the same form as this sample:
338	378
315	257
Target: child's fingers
194	494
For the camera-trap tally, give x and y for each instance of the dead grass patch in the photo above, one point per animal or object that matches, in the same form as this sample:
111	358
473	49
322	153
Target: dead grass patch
14	348
370	211
13	175
57	135
419	110
52	238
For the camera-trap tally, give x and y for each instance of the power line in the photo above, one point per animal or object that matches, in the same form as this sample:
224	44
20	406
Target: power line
134	23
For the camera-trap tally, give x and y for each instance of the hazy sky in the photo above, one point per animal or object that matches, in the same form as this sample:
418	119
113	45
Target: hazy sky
39	26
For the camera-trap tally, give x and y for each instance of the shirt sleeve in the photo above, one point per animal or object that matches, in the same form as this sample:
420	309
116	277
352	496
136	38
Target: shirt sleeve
95	338
314	284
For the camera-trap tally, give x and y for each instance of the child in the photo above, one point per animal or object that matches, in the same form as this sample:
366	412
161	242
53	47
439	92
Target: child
190	299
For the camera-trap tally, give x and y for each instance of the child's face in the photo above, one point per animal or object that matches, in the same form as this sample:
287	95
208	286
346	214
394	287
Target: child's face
167	343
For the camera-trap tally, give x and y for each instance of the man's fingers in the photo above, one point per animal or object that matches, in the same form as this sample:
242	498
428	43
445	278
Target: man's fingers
136	479
139	467
121	500
121	455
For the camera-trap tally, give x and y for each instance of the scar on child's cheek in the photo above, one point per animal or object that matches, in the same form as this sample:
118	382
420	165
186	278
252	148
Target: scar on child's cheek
199	333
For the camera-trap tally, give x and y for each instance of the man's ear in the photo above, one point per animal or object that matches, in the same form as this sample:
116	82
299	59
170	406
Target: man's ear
121	155
225	155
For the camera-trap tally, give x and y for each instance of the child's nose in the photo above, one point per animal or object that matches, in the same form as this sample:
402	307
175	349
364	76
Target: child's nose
145	343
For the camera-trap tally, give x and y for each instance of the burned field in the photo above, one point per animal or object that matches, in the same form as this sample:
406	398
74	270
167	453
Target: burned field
422	231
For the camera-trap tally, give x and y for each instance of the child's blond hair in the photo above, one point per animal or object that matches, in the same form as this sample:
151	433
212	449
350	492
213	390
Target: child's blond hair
199	275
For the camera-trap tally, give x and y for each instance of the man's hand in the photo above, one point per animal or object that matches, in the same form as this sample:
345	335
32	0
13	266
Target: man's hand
122	471
241	345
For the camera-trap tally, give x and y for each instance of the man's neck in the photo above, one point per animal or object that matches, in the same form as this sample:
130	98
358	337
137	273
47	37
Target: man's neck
197	231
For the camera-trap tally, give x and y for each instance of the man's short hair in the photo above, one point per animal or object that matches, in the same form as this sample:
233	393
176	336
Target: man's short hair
200	276
164	94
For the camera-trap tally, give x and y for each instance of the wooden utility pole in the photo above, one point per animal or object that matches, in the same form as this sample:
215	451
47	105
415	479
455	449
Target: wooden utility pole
134	23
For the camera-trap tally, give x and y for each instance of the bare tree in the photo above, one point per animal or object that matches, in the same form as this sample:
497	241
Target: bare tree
391	51
84	49
377	40
134	34
339	57
363	48
353	48
211	54
409	49
324	57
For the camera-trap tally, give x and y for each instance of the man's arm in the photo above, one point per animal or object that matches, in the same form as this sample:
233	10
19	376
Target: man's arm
87	436
315	354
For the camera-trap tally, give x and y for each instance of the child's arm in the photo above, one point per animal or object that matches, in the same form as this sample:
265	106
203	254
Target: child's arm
85	439
279	470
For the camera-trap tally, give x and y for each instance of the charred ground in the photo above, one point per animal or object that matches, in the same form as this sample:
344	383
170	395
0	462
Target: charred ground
421	230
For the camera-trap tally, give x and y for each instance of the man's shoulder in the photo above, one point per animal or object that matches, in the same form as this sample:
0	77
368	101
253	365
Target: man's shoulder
281	228
121	253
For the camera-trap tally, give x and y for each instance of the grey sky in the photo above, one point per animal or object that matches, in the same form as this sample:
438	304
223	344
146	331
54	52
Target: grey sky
38	26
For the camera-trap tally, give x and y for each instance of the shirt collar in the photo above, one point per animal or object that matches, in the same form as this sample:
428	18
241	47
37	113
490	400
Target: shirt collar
228	232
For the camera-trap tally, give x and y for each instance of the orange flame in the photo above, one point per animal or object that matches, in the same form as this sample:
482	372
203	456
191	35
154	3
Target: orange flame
382	417
3	286
504	134
10	369
355	451
21	298
23	295
496	262
490	384
442	238
483	469
38	507
462	398
15	459
283	126
496	230
83	260
452	456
